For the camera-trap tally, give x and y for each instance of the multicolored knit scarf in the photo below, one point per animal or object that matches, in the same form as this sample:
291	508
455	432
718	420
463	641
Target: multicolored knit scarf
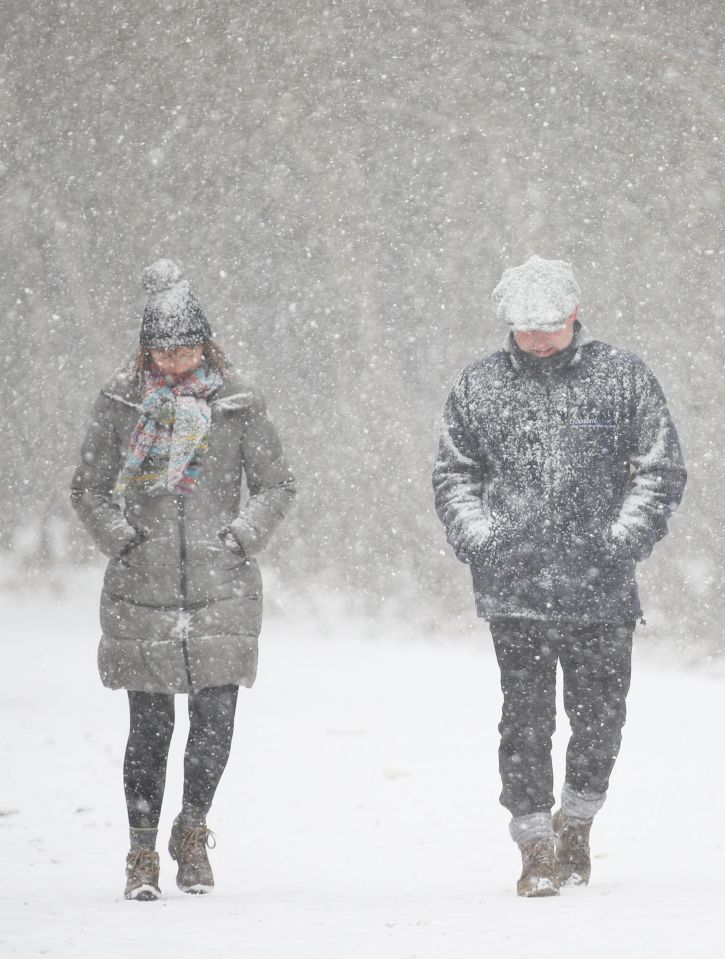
170	438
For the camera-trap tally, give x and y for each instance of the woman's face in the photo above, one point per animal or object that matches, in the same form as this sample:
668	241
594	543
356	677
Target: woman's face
178	362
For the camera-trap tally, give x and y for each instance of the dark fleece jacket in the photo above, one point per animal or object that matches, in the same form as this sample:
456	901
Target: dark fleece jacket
554	477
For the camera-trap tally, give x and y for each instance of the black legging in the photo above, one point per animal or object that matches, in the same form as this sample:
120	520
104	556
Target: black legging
211	725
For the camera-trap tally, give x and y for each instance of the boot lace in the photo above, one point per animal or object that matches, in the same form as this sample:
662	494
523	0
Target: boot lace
192	837
574	837
542	853
141	860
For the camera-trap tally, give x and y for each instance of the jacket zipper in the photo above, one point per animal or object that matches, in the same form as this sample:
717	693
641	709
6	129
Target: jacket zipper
551	425
183	610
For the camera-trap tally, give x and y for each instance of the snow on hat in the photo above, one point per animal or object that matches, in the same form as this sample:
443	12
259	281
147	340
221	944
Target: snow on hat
538	295
173	316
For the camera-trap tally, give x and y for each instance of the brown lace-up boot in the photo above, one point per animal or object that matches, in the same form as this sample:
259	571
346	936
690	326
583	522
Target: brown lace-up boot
187	846
142	875
573	861
537	875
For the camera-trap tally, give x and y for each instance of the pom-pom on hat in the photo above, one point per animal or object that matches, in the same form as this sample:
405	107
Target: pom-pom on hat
173	316
538	295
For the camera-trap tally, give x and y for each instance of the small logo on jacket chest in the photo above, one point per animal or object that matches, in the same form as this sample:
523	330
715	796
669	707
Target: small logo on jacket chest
593	424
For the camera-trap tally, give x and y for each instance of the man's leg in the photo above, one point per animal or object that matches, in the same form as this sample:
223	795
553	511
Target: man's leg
596	662
527	651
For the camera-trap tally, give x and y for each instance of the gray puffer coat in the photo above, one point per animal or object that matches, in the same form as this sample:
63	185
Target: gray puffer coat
180	609
554	477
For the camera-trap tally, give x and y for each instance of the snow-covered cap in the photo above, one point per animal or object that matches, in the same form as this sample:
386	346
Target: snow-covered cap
173	316
538	295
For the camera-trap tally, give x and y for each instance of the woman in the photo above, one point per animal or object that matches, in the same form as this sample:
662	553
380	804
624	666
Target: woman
158	488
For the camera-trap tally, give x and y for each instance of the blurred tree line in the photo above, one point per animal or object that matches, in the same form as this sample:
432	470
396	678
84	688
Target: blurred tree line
343	184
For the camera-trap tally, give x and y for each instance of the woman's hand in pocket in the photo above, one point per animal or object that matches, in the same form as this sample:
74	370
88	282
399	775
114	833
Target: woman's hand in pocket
141	535
229	540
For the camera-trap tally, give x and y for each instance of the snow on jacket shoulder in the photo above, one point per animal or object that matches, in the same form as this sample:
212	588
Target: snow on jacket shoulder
553	477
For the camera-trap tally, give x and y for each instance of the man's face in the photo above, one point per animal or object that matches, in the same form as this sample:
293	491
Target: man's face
541	344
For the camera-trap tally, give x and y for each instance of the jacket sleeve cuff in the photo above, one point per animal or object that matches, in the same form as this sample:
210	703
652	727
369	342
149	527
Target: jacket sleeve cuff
246	535
117	537
621	545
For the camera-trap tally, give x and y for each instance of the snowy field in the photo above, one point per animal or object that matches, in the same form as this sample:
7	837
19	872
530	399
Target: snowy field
359	813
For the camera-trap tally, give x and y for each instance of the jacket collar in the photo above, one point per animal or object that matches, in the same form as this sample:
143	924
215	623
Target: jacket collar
233	394
571	356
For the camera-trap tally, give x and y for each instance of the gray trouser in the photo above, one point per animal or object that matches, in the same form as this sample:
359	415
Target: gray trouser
596	663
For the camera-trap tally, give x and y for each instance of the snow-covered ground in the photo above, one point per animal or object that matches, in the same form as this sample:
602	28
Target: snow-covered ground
359	812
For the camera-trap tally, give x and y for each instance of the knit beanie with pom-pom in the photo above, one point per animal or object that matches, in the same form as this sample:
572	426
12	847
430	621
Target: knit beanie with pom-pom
173	316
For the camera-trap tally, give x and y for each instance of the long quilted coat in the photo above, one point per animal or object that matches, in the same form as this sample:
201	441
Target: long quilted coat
554	477
182	610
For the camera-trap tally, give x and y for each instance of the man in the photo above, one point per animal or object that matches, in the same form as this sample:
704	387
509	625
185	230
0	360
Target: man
558	469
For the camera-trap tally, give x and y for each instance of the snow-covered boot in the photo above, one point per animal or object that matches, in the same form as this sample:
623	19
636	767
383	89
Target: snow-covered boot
537	875
187	846
142	875
573	861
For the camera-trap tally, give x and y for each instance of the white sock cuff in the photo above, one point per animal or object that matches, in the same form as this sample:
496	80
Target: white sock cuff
531	828
581	805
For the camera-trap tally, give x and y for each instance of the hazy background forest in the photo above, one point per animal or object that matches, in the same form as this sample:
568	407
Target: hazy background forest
343	183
